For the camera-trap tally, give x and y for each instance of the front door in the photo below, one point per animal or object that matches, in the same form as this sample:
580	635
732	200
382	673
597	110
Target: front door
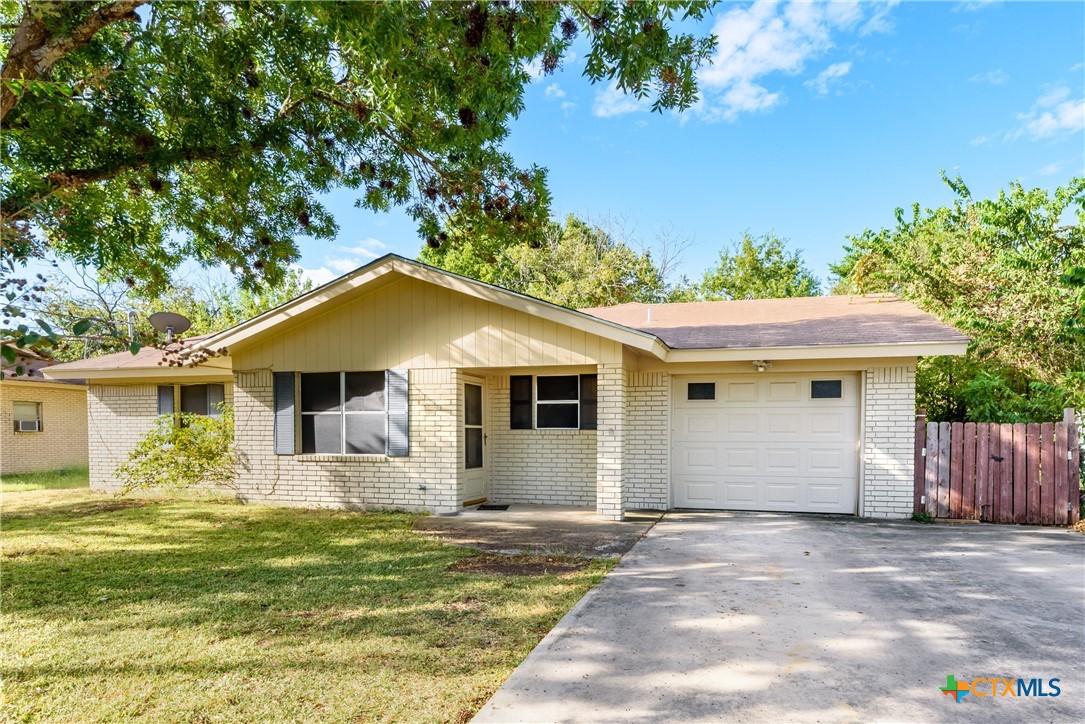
474	441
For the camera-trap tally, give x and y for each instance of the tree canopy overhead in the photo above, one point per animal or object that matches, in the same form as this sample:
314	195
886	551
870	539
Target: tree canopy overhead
139	134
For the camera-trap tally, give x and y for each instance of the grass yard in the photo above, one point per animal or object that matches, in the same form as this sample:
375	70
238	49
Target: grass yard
197	610
50	480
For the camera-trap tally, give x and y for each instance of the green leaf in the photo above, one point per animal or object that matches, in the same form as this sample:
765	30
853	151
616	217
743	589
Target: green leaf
80	328
8	353
134	347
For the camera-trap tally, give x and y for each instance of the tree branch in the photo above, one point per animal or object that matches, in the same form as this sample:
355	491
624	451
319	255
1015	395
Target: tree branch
34	50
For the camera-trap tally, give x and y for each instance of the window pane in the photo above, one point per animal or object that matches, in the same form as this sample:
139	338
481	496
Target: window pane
589	385
565	387
194	399
472	405
520	402
826	389
473	448
701	391
25	411
165	400
320	392
366	434
588	416
520	416
321	434
365	391
556	416
521	388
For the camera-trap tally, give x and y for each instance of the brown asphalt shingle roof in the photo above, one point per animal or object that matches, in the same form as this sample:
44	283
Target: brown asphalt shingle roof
146	358
792	322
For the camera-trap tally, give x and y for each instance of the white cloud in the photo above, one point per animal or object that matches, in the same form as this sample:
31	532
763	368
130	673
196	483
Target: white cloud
366	248
972	6
765	39
825	78
319	276
568	107
1055	113
980	140
994	77
1050	169
611	101
342	265
554	91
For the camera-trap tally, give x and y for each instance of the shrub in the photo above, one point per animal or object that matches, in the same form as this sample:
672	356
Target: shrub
183	451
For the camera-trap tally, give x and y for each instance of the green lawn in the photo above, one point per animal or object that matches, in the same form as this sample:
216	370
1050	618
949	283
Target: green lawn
198	611
51	480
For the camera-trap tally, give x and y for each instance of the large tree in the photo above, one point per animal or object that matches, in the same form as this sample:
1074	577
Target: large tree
758	268
1008	272
576	264
138	134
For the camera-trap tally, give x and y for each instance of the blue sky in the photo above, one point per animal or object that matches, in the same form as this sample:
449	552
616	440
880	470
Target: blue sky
817	121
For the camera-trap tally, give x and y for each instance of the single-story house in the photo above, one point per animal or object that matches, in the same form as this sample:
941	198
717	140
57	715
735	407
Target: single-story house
43	422
401	385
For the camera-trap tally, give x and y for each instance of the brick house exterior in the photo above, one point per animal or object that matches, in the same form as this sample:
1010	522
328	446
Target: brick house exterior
61	440
404	386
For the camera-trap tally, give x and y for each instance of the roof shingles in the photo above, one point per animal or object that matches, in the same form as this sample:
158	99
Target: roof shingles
792	322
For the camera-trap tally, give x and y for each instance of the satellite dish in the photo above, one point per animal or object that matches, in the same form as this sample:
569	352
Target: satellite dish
170	323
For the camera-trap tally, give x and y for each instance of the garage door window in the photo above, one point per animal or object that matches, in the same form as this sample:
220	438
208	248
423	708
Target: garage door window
701	391
826	390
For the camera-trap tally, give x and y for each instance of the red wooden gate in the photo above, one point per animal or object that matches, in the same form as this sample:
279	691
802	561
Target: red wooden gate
999	473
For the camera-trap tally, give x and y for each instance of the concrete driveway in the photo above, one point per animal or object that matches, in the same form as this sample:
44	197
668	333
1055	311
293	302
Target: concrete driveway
764	617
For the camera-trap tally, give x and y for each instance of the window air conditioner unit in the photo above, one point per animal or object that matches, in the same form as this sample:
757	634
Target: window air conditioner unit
27	426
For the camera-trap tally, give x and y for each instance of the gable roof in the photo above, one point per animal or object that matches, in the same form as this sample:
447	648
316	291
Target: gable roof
880	319
395	264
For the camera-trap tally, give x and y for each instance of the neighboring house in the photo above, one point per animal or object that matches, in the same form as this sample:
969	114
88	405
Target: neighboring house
401	385
43	422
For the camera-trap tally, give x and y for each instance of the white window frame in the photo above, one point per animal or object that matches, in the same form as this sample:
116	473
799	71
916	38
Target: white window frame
535	408
37	415
343	412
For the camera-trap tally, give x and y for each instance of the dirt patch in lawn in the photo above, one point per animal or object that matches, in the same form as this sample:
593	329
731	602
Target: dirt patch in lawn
489	564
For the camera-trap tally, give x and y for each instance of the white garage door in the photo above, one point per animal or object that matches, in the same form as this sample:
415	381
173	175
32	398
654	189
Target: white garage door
766	442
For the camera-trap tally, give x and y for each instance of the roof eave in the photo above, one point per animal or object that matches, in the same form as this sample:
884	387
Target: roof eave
822	351
144	374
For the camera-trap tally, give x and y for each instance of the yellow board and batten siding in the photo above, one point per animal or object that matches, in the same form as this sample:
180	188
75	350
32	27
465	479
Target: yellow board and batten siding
412	324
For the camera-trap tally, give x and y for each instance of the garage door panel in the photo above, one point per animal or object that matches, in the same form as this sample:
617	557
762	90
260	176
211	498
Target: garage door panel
739	391
766	444
702	458
783	391
782	423
740	460
701	423
782	494
782	460
741	423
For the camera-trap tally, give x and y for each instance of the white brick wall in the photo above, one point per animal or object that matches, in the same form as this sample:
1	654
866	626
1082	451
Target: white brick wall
647	444
118	417
610	479
368	481
888	442
62	442
555	467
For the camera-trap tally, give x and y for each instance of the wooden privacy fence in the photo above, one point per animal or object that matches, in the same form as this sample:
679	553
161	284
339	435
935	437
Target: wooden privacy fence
999	473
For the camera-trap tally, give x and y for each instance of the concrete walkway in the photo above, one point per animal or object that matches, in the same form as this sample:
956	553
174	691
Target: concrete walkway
543	529
763	617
